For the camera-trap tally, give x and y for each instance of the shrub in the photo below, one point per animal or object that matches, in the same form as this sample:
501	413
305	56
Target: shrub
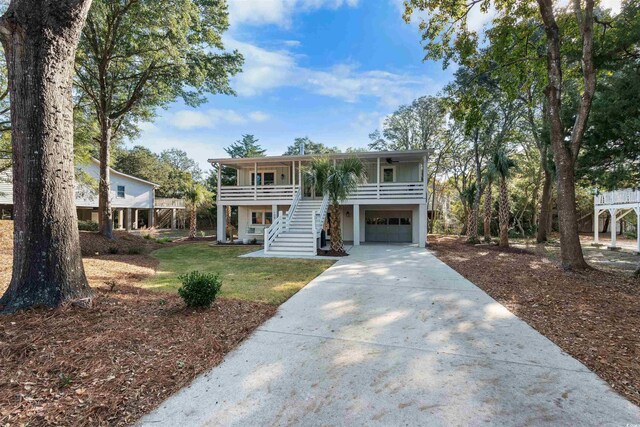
199	289
112	250
135	250
88	225
164	240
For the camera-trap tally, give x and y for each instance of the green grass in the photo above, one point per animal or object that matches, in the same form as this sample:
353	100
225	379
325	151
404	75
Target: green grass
268	280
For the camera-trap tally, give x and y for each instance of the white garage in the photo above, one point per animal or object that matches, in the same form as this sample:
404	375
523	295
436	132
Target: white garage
388	226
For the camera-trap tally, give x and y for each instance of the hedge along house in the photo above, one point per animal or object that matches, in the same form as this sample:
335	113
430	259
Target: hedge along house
276	206
132	199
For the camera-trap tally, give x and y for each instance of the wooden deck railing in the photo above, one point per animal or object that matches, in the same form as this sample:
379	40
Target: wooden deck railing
618	197
260	192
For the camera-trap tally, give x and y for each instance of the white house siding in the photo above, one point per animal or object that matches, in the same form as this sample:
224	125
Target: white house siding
244	174
138	194
244	220
347	222
6	188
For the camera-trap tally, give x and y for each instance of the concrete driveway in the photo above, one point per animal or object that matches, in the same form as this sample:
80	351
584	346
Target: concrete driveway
392	336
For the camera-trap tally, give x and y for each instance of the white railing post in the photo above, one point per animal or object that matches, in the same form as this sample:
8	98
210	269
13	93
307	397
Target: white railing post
313	229
266	240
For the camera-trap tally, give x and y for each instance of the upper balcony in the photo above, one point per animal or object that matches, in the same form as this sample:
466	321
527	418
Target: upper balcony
629	196
392	177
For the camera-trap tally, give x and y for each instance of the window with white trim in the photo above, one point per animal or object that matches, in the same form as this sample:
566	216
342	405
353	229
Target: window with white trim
264	178
261	217
120	192
388	174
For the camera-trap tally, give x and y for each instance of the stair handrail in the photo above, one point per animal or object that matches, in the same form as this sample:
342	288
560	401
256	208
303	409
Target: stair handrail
281	223
322	213
292	208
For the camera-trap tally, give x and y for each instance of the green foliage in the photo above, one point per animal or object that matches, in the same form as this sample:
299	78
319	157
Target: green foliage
199	289
502	164
338	180
196	195
136	56
310	148
173	170
245	147
87	225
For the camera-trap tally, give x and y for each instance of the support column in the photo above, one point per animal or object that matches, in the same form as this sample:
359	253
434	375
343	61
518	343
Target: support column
127	219
274	212
596	220
220	232
255	181
378	178
356	225
151	220
120	219
422	225
300	175
135	219
220	181
637	229
293	173
614	228
173	218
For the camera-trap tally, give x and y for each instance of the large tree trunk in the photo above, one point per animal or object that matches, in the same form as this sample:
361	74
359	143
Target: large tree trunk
337	244
545	208
565	154
488	208
503	213
472	228
104	203
40	39
193	226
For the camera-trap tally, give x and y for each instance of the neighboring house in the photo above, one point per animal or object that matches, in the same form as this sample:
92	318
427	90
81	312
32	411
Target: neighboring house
132	199
391	206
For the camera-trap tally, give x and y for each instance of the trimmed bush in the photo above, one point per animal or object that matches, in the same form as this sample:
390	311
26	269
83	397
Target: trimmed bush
87	225
199	289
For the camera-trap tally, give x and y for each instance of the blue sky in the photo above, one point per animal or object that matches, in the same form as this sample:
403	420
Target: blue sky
327	69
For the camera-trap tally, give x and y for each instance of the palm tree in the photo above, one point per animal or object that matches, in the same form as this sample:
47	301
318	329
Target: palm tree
195	195
502	166
489	178
338	181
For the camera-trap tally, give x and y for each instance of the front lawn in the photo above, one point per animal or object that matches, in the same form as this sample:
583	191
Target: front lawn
267	280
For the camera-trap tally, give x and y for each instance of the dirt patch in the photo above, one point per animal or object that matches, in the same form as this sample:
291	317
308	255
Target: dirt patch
113	363
123	243
594	316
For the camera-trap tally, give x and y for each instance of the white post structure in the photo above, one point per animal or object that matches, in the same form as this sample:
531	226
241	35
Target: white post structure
378	178
120	219
135	219
173	218
220	232
596	226
127	219
274	213
151	220
255	181
220	181
300	175
293	173
614	228
637	210
425	179
422	225
356	225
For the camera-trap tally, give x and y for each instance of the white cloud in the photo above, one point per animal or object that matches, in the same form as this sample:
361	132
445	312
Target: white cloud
209	119
265	70
277	12
292	43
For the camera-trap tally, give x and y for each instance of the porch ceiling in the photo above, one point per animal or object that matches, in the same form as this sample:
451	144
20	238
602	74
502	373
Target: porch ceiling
395	156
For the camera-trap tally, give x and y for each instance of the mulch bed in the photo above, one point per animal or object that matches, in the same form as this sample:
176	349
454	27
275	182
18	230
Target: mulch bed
92	244
113	363
594	316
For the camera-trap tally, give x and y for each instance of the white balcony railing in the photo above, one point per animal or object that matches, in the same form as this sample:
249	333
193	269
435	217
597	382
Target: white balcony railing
390	190
618	197
169	203
260	192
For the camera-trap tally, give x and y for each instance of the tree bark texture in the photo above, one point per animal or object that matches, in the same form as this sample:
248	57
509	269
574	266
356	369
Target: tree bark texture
565	154
472	228
40	39
104	200
545	208
193	225
488	210
503	213
337	244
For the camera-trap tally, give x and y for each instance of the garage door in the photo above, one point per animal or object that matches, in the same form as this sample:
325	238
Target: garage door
388	226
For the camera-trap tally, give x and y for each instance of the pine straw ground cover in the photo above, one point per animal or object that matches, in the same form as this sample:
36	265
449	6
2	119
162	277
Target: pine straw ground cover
111	364
594	316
